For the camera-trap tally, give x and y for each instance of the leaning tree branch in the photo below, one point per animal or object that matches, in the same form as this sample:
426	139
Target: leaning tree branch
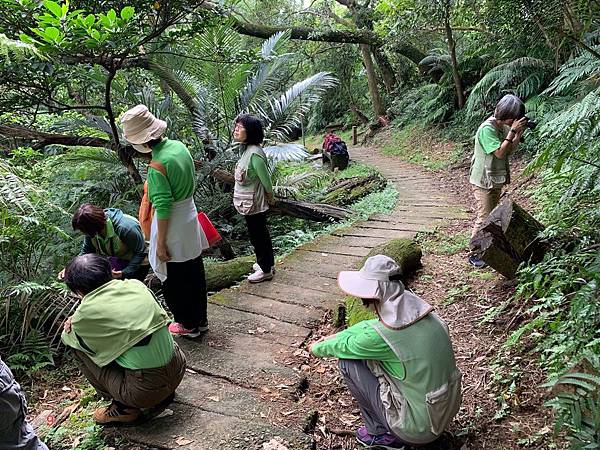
43	138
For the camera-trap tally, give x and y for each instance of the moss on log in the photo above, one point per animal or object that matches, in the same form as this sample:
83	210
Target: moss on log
221	275
509	237
350	190
407	255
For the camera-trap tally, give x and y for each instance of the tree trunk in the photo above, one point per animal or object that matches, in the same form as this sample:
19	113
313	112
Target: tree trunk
378	108
317	212
387	72
219	275
352	189
508	237
460	97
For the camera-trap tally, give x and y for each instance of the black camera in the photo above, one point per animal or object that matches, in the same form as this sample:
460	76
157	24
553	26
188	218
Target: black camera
531	124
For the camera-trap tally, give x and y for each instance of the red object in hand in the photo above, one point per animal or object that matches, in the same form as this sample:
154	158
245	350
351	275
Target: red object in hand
209	229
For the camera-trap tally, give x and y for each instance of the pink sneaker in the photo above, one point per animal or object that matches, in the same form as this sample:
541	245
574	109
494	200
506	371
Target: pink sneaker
179	330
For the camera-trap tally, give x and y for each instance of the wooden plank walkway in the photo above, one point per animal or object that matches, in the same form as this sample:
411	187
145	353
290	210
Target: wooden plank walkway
239	378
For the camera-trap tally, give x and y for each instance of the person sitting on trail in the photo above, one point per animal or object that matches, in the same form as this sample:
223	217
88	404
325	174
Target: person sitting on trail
121	341
15	432
496	138
253	194
330	137
112	233
400	368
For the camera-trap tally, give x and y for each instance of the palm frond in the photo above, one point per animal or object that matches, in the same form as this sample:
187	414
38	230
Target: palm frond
286	152
284	113
263	79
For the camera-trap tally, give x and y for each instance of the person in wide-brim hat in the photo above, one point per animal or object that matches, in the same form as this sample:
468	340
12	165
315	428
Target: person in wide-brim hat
400	367
140	126
176	238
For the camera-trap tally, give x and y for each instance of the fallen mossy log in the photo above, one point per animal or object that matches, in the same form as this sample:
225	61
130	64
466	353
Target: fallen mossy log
509	237
317	212
219	275
407	255
350	190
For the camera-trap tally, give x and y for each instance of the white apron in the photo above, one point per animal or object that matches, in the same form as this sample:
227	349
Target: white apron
185	237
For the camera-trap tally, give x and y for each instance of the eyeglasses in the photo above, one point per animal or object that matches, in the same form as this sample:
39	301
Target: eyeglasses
239	126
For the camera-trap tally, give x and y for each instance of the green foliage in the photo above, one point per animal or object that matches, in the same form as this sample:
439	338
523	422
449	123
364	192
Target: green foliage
419	145
524	77
576	405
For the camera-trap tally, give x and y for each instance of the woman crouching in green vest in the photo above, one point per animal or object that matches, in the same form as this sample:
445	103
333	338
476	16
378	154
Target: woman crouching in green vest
110	232
253	194
496	138
121	341
400	368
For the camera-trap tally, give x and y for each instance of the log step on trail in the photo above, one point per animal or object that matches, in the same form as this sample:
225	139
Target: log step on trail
242	375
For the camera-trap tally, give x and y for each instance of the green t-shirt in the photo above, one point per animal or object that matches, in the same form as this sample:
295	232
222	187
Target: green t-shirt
178	184
488	139
258	168
157	353
361	341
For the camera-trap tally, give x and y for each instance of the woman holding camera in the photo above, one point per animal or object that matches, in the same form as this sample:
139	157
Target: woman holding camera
496	138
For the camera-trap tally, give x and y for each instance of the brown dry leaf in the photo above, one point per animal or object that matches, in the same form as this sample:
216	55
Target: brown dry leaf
348	419
181	441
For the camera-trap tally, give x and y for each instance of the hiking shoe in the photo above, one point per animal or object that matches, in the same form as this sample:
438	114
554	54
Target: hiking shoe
177	329
256	268
476	261
117	414
378	441
260	276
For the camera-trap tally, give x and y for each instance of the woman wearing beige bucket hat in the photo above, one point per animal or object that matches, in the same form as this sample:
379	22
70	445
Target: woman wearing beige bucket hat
400	368
176	238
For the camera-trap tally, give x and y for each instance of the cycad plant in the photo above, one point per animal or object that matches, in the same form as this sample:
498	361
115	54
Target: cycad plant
216	91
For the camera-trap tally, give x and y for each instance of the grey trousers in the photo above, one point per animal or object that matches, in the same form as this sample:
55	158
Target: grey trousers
364	387
15	432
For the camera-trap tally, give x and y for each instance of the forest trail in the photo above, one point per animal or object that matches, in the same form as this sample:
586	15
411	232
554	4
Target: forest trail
243	378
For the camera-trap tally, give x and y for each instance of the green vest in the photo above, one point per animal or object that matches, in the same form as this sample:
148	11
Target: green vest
111	245
488	171
419	407
249	194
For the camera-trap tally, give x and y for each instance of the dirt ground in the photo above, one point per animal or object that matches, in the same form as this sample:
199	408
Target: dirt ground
492	415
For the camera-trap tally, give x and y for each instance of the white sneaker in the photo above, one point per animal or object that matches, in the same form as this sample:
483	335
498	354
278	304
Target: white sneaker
259	276
256	268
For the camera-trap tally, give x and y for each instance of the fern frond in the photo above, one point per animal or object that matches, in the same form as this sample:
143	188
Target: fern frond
524	77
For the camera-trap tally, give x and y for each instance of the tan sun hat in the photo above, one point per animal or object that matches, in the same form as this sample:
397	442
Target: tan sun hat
377	280
141	126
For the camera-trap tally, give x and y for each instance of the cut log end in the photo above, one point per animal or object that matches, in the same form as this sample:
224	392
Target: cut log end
509	237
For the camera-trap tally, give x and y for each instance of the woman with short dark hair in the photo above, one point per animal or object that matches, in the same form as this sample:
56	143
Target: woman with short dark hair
120	337
114	234
253	193
496	138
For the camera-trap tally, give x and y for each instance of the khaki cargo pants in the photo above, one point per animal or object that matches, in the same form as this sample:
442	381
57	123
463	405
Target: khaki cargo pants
485	201
143	388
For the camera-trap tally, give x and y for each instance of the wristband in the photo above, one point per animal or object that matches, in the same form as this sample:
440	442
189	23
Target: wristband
513	131
509	140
